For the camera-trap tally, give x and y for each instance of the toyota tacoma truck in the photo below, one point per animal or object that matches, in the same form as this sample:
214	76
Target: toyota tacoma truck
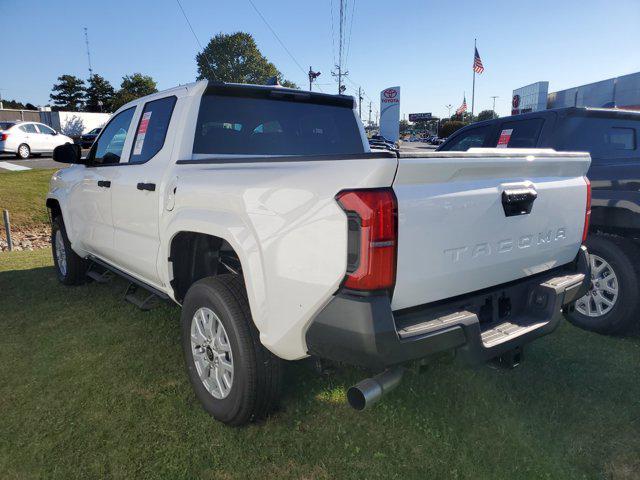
262	212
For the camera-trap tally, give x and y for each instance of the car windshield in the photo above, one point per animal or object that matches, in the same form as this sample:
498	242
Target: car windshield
6	125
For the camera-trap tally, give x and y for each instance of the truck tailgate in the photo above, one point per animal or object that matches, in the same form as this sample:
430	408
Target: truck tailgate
463	223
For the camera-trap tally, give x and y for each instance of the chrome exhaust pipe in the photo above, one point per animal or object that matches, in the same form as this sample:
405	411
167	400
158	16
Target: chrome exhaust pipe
370	390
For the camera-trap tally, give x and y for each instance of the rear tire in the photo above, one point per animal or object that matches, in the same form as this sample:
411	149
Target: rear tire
71	269
252	389
615	280
23	151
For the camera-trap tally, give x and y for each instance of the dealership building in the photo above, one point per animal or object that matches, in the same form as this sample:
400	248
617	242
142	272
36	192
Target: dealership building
619	92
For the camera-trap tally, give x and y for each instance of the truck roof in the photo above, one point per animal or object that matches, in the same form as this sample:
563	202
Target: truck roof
248	89
566	112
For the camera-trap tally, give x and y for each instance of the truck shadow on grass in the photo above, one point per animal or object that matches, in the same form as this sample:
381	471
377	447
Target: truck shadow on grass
88	375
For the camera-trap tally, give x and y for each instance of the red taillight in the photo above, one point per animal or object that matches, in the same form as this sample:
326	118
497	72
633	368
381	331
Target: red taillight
372	238
3	136
587	213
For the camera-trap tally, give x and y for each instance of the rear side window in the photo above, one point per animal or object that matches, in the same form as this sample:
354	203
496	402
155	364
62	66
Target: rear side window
472	138
601	137
264	126
28	128
520	134
152	129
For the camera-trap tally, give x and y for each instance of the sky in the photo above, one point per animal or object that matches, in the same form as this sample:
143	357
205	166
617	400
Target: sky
425	47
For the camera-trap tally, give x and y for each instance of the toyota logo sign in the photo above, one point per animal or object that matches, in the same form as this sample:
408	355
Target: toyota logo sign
390	93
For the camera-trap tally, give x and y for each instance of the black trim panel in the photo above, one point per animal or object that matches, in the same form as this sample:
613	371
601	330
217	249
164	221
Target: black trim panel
128	277
363	330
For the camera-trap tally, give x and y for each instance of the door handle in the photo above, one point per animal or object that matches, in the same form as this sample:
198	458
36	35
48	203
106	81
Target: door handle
518	201
147	186
104	183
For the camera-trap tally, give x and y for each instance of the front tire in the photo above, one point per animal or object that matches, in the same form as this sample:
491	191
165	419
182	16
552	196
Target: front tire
612	304
71	269
235	378
23	151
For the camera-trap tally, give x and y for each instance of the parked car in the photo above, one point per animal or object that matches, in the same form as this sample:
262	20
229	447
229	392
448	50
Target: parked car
378	142
612	304
283	236
26	138
87	139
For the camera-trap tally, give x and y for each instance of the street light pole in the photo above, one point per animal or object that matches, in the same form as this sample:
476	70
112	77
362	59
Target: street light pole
449	107
494	104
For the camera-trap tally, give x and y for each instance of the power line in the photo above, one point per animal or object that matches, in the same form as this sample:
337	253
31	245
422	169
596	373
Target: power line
204	52
333	42
353	11
278	39
189	23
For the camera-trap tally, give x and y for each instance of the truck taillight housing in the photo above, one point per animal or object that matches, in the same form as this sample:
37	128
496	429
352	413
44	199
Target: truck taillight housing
3	136
587	213
373	238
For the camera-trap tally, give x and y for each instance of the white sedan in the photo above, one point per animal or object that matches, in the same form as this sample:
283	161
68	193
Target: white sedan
25	138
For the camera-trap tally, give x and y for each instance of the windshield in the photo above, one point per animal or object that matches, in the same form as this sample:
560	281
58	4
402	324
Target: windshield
6	125
263	126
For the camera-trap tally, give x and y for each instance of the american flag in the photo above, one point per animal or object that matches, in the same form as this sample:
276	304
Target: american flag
477	63
462	108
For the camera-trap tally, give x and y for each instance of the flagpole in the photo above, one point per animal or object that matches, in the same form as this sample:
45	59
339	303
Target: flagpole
473	91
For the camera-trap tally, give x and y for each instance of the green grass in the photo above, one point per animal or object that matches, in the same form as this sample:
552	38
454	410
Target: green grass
23	194
90	387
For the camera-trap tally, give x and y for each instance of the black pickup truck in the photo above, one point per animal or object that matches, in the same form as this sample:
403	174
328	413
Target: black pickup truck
611	137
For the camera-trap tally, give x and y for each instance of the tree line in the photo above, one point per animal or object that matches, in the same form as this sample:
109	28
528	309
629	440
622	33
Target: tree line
97	94
447	126
233	58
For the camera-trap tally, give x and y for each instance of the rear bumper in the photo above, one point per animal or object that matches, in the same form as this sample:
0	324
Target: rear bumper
363	330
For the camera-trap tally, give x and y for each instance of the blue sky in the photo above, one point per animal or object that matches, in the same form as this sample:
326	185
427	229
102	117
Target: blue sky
426	47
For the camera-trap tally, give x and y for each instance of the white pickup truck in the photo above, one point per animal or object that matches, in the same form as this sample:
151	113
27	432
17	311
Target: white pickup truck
262	211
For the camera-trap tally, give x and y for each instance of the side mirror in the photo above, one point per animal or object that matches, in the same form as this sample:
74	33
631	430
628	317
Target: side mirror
67	153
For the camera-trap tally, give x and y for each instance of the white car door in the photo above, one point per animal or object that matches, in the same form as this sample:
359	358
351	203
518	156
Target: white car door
137	193
48	137
31	137
91	215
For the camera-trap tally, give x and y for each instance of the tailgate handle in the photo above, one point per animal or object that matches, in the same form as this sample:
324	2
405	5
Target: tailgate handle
518	201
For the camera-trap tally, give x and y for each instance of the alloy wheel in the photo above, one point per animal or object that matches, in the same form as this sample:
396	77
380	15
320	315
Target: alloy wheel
212	353
61	254
23	151
603	292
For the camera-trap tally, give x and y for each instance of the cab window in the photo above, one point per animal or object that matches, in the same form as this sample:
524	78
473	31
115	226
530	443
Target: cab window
519	134
107	150
472	138
152	129
603	138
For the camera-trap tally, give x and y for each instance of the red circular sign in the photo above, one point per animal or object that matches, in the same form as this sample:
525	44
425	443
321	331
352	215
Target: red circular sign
515	103
390	93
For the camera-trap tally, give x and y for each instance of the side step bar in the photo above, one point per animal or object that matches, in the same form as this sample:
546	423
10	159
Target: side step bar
146	303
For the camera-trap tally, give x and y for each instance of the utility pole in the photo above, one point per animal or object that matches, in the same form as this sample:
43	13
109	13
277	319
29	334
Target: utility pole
340	74
312	76
86	41
494	105
360	102
369	113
